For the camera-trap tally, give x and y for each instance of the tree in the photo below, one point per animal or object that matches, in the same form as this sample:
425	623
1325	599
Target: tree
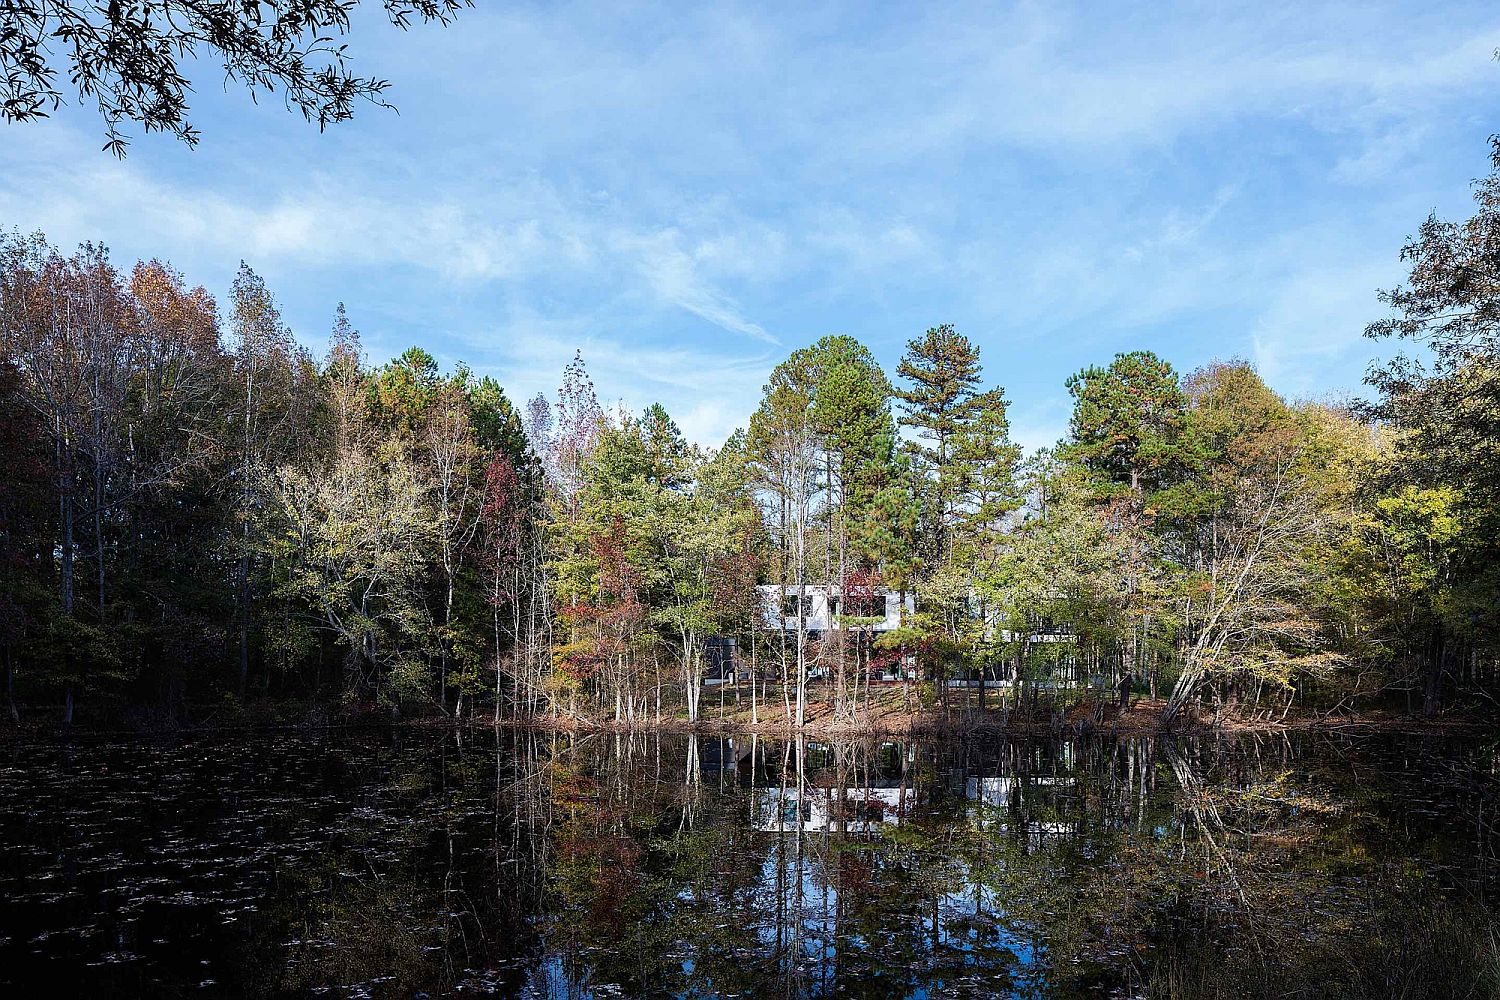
504	518
352	542
345	383
1128	422
510	545
1436	510
571	431
1249	606
272	411
168	522
965	476
128	59
783	447
65	321
710	561
26	590
125	378
452	456
1059	573
984	463
1128	434
944	376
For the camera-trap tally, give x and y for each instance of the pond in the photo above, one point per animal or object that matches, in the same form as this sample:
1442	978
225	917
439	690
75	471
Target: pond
411	861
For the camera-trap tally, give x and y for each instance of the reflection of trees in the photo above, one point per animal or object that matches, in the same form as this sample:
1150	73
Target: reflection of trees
1319	881
1010	868
409	890
573	866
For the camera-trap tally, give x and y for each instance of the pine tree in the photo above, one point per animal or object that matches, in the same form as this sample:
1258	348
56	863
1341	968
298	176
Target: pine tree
944	375
985	460
1128	423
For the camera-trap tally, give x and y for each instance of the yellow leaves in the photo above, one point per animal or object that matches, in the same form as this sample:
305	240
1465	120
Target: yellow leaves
1427	515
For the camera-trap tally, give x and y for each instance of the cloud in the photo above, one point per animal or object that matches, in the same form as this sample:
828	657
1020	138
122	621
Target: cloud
1179	228
1310	336
526	232
675	275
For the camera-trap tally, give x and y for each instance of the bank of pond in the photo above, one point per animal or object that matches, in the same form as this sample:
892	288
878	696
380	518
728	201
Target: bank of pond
402	861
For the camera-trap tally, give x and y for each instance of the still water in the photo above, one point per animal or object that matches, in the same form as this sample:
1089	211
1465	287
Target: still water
411	862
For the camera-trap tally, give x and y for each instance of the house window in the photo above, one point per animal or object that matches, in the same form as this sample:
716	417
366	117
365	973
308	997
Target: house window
719	658
793	811
789	606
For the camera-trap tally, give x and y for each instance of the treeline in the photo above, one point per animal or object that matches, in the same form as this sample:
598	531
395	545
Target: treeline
198	511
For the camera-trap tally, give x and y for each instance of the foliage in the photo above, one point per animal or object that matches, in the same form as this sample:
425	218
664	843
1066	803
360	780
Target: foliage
128	58
198	507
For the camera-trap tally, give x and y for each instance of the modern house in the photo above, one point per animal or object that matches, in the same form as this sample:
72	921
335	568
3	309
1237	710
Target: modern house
1046	650
826	608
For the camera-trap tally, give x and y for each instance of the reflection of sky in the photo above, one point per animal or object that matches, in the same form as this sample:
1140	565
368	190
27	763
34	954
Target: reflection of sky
971	923
958	898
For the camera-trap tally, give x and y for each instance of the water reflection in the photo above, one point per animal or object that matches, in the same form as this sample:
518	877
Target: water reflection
399	862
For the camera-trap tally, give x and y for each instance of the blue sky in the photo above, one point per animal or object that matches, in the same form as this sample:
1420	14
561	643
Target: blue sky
688	194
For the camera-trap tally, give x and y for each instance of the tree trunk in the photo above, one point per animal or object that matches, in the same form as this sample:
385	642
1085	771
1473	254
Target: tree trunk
65	515
10	685
1432	688
1184	689
243	593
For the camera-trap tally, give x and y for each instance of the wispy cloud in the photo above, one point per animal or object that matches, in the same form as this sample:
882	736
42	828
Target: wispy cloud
676	276
709	394
1313	328
689	195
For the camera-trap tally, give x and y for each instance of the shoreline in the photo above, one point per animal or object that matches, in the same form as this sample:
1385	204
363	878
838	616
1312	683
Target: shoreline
1144	719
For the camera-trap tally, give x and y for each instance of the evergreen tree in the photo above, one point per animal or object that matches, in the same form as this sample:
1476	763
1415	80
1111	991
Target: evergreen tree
1128	423
943	373
984	460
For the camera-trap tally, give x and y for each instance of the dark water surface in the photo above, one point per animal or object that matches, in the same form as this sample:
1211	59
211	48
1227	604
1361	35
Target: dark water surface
405	862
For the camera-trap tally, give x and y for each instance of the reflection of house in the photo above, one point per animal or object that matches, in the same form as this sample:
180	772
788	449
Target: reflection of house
991	791
721	754
850	810
1040	833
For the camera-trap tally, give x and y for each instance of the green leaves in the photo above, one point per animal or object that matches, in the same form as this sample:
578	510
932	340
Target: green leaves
1128	422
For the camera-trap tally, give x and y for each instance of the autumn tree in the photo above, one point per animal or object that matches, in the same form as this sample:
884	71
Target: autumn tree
124	377
1247	601
1436	499
272	399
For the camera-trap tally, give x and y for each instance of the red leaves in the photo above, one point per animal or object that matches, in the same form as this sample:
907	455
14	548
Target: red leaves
502	518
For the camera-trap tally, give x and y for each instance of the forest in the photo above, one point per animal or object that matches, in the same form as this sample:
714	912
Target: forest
201	520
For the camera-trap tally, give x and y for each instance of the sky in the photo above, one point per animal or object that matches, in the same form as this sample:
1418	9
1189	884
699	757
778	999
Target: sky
687	194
